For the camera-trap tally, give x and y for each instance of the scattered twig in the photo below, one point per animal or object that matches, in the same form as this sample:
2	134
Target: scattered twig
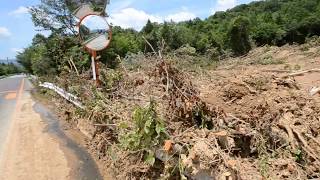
74	66
71	67
314	139
150	45
237	119
90	116
168	79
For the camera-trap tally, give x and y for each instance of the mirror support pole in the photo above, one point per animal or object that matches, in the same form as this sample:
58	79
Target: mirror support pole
95	68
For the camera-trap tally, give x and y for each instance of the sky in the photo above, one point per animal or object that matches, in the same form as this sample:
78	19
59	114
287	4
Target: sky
17	29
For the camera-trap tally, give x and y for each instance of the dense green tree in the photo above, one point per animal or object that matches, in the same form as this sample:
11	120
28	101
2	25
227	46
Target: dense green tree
24	59
267	33
148	28
8	69
166	33
239	35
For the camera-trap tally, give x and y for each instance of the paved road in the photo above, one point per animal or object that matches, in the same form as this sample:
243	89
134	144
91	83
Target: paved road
9	88
32	146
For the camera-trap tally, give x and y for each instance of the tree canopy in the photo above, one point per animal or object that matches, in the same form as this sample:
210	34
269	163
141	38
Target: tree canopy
7	69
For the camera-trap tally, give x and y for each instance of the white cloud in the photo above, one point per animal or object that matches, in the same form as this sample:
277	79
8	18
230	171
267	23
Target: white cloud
180	16
21	10
133	18
223	5
4	32
17	50
119	5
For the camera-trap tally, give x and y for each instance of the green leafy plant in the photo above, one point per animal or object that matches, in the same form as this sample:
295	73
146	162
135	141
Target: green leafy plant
148	132
263	156
201	119
150	158
298	155
110	78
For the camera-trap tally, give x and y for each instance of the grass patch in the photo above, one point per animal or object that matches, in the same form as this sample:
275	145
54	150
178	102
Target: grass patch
290	68
269	60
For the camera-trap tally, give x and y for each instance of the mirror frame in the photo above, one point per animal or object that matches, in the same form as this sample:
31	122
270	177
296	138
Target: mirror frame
82	40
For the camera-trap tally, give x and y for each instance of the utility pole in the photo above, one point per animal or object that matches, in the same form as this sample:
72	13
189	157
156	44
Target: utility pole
7	60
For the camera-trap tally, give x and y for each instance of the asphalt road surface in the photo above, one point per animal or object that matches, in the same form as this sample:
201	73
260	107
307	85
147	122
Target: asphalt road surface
9	88
97	43
31	144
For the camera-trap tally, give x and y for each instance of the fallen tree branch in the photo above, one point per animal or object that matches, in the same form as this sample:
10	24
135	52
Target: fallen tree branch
290	134
308	149
276	70
70	66
301	73
149	44
74	66
314	91
104	125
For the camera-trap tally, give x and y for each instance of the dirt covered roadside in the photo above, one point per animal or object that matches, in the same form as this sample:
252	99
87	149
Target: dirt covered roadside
252	117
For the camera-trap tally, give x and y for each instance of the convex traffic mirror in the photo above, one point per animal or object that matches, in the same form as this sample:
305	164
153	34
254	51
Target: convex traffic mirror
95	32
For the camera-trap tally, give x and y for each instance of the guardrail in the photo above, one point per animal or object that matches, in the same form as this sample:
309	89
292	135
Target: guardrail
68	96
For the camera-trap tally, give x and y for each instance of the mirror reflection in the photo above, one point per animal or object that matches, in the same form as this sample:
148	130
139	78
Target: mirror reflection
95	32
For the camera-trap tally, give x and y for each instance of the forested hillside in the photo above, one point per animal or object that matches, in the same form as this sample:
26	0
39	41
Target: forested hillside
273	22
234	32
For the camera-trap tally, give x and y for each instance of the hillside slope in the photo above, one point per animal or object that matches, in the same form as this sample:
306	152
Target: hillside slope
247	118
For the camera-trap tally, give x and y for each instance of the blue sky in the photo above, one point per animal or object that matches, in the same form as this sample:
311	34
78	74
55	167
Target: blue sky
17	30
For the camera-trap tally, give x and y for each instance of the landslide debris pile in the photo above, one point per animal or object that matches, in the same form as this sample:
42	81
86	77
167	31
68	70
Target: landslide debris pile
152	122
